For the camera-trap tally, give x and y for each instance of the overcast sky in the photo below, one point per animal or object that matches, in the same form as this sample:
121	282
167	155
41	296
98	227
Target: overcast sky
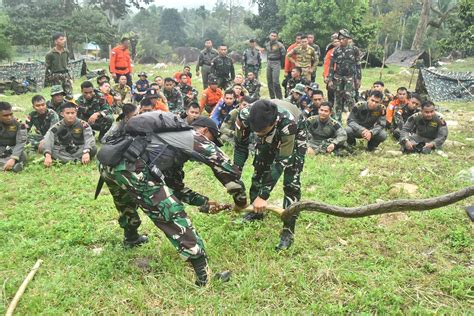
209	4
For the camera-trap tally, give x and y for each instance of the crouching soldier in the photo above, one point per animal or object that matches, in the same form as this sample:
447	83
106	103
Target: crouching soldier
149	174
326	135
424	131
41	119
71	139
13	136
367	121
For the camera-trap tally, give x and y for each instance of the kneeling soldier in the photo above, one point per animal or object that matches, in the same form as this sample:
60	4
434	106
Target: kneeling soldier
71	139
41	119
424	131
326	135
13	136
367	121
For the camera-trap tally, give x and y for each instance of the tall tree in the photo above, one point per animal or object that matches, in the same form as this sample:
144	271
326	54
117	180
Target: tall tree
267	19
172	28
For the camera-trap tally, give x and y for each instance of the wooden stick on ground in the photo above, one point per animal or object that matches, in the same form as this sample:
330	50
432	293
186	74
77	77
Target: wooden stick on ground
22	288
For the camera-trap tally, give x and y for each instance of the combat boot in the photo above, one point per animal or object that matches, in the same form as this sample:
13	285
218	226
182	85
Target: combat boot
201	269
252	216
286	240
133	239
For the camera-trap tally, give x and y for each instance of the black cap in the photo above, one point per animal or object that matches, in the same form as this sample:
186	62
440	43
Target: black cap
262	114
152	93
212	79
204	121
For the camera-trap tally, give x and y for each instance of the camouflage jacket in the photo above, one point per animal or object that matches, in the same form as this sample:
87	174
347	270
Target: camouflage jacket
292	82
70	137
435	129
188	92
97	104
175	100
401	116
223	67
55	107
330	131
206	152
125	93
228	126
41	123
14	136
361	118
346	59
304	57
253	88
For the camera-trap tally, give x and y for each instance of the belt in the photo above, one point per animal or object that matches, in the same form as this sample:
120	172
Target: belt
120	68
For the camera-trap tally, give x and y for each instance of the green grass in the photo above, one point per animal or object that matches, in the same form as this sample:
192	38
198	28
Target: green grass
421	265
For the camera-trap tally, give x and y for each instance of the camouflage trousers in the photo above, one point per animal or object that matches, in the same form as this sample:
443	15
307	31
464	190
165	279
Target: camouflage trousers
102	125
63	79
34	140
65	154
321	147
343	95
138	188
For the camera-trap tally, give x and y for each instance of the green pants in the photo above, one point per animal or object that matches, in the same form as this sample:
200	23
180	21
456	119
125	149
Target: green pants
344	95
138	188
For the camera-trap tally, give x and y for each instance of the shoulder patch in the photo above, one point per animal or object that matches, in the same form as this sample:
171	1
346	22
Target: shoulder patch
84	124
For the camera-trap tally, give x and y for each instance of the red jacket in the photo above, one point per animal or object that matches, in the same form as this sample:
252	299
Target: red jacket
288	64
120	61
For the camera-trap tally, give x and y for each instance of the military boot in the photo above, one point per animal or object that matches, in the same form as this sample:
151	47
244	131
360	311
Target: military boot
201	269
252	216
134	239
286	240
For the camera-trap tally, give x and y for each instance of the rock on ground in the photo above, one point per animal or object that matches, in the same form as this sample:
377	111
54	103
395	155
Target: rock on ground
406	188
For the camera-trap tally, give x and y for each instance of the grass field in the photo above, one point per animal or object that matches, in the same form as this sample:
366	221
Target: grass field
419	264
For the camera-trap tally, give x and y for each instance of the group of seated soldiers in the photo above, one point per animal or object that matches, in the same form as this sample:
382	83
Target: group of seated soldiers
64	129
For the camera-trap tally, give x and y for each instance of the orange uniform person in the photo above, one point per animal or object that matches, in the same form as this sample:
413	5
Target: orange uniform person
400	100
211	96
120	61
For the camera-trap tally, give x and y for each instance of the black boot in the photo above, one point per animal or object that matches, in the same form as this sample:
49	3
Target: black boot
252	216
286	240
201	270
134	239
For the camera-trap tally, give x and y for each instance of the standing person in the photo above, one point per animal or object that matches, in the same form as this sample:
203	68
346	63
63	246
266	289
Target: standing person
343	73
252	61
223	68
57	60
303	56
327	61
275	59
205	61
318	54
288	63
121	62
13	137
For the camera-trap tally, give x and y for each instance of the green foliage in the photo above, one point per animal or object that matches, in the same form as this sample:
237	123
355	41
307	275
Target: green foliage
268	19
172	27
6	50
90	25
461	30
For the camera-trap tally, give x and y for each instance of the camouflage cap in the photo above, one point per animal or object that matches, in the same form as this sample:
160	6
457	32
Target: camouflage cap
344	33
299	88
334	36
57	89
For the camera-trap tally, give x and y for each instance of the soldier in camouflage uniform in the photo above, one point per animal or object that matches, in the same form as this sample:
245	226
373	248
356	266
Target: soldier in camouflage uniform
223	68
325	134
276	53
189	93
424	131
122	89
205	61
57	60
69	140
367	121
252	61
57	99
306	58
296	96
13	137
342	78
227	128
93	108
41	119
252	85
295	79
281	148
173	96
139	184
318	54
403	113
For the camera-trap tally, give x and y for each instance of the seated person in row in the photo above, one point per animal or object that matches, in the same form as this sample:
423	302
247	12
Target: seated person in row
93	108
223	108
252	85
57	99
403	113
367	121
13	137
424	131
326	135
379	86
192	112
129	110
312	108
188	92
122	89
227	128
400	100
296	96
156	99
141	86
173	96
211	95
39	122
70	139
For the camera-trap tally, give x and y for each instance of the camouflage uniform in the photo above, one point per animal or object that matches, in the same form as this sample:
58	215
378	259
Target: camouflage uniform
318	56
189	94
399	119
252	61
419	132
292	82
322	134
253	88
281	151
56	69
223	68
69	142
133	185
227	128
13	139
125	93
276	53
97	104
41	123
175	100
346	60
205	61
361	118
305	59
